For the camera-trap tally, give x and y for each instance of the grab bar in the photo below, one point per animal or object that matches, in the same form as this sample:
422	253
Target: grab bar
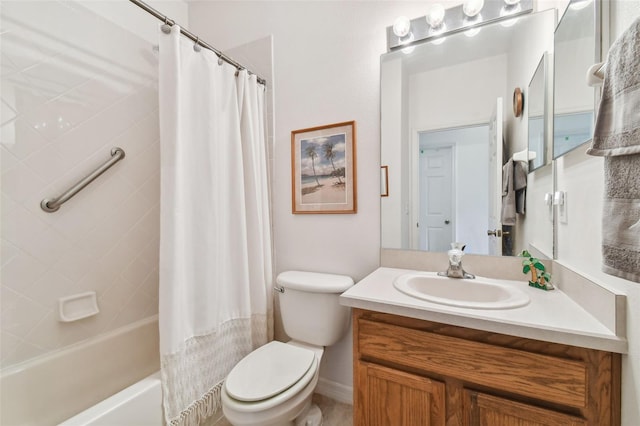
53	204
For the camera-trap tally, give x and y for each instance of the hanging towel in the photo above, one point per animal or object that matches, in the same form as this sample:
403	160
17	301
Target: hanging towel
514	187
617	138
520	169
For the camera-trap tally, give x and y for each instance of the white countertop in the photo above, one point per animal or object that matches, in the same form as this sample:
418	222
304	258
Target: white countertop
551	316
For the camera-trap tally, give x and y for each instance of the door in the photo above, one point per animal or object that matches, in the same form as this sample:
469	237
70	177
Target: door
395	398
495	180
436	199
488	410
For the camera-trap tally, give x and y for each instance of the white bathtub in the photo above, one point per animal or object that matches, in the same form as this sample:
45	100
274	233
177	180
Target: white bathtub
56	386
140	404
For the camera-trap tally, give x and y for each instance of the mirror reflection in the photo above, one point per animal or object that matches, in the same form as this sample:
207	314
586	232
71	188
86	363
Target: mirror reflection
574	52
537	118
447	131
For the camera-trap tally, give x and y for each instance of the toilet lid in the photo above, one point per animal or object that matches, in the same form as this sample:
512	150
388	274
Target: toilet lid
267	371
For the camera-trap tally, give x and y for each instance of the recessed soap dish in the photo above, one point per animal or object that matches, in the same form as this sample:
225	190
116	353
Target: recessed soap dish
77	306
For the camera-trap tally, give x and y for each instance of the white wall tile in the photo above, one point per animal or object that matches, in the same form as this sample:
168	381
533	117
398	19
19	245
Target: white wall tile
56	75
74	84
19	138
9	344
18	47
7	252
19	93
6	112
22	315
49	288
22	271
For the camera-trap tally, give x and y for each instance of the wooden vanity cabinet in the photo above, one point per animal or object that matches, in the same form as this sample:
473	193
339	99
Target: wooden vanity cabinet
416	372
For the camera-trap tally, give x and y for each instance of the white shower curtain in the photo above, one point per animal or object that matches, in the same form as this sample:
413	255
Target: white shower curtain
215	241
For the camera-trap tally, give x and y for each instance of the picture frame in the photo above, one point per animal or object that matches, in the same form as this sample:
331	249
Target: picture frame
323	169
384	181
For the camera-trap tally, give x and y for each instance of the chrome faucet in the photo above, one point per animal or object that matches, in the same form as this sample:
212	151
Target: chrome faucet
455	269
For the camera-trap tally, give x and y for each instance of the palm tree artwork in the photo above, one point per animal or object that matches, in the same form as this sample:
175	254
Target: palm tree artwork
330	154
310	151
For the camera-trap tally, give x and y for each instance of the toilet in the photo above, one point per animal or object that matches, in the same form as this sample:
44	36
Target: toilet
273	385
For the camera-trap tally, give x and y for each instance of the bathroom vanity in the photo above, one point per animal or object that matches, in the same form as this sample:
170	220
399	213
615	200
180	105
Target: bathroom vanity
421	363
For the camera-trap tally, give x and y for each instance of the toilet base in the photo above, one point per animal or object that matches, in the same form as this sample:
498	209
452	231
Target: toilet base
311	417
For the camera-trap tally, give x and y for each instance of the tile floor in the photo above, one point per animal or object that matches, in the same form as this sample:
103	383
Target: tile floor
334	413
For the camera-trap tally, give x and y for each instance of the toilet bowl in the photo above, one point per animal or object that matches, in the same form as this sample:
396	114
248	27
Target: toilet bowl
273	385
283	395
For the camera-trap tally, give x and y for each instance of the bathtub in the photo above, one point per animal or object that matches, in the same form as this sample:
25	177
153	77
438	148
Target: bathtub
59	385
140	404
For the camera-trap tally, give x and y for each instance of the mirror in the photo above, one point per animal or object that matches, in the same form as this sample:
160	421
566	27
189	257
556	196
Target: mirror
575	50
447	129
537	124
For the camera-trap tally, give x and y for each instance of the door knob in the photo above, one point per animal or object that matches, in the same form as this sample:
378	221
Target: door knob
497	233
447	221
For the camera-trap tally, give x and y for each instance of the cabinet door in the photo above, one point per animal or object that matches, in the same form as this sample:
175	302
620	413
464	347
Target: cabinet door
487	410
394	398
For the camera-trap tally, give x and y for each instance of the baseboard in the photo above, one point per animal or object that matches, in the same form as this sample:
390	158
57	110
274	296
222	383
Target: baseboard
336	391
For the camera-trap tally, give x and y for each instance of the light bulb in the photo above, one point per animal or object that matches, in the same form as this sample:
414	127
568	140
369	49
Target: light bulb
435	15
401	26
472	7
511	2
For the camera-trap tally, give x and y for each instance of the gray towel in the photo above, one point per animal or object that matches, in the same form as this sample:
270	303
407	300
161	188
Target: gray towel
514	186
617	138
617	130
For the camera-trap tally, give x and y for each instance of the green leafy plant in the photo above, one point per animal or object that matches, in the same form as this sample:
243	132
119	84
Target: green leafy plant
540	278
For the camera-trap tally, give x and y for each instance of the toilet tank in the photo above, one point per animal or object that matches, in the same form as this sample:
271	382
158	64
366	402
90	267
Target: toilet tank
309	306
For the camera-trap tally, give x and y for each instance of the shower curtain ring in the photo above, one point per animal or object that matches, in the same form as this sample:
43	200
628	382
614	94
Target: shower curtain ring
219	59
196	46
166	28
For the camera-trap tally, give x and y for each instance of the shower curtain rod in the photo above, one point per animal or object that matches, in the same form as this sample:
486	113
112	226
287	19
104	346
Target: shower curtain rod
195	38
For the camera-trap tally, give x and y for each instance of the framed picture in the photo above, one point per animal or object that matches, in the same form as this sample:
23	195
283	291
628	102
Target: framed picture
323	169
384	181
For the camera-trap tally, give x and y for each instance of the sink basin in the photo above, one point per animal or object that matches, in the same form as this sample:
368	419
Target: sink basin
479	293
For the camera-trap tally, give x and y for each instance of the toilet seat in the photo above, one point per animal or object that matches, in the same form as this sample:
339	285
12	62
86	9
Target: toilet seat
269	371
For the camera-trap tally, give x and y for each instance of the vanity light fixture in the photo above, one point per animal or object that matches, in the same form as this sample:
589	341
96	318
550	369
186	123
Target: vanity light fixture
440	22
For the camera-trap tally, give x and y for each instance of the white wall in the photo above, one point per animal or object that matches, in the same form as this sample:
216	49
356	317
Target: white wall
579	239
74	84
465	94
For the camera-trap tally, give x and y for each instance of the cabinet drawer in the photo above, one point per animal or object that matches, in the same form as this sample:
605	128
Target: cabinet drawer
524	373
487	410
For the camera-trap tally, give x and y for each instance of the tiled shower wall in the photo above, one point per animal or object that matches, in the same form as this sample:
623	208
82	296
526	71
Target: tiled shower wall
74	85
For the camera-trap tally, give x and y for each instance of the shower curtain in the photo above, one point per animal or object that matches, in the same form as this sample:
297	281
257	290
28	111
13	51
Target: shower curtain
215	241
